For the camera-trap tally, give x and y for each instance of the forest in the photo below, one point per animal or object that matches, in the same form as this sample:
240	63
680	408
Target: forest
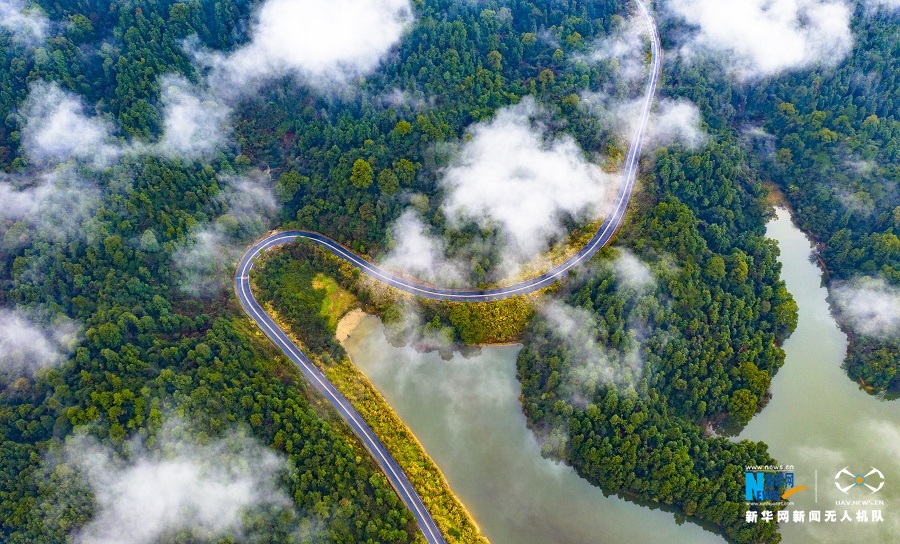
133	246
690	352
158	343
298	284
837	149
149	352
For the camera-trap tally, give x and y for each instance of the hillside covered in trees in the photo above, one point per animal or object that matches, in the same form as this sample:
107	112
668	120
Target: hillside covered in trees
836	143
141	150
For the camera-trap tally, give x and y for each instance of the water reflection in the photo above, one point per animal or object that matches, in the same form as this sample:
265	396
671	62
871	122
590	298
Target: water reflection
467	415
818	419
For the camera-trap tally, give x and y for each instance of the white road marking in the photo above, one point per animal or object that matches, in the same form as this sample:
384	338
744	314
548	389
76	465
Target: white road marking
399	480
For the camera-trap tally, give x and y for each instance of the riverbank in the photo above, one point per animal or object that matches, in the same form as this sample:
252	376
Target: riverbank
340	312
466	412
452	518
348	324
403	444
778	201
819	421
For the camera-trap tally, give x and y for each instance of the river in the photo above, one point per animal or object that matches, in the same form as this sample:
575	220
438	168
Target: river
467	415
818	419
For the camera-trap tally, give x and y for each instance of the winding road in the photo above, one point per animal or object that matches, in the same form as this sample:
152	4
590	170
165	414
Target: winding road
604	234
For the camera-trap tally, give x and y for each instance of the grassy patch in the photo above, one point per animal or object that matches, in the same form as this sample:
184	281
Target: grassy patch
338	301
774	196
494	322
287	286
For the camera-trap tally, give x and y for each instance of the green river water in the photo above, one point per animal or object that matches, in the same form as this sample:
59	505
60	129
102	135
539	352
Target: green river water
467	415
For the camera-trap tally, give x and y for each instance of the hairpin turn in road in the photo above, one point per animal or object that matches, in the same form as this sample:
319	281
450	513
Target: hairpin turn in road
602	237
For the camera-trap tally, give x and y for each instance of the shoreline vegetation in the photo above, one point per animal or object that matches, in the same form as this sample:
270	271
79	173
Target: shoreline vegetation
116	255
423	472
777	200
340	312
285	278
834	155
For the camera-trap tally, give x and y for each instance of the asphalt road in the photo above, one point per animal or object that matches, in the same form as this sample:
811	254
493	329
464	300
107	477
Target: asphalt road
603	236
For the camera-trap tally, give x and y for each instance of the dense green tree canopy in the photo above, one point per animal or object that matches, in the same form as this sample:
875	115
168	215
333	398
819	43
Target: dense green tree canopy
130	241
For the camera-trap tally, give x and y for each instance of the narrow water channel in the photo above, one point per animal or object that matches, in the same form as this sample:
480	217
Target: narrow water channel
467	415
819	420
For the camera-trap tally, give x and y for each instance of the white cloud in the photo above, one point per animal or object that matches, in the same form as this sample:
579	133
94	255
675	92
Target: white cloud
819	455
194	124
20	197
249	201
671	121
859	203
870	306
583	333
765	37
321	41
177	487
515	176
760	141
210	249
861	167
591	364
57	129
888	437
633	272
517	183
49	206
418	253
26	346
26	24
413	100
203	260
676	121
624	49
